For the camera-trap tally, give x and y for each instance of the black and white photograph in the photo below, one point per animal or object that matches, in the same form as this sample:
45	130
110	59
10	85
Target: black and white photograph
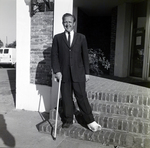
74	73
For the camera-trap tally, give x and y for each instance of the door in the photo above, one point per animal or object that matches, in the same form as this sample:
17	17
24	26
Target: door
147	45
138	40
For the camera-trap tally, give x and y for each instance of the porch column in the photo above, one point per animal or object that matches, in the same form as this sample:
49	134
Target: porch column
122	40
27	95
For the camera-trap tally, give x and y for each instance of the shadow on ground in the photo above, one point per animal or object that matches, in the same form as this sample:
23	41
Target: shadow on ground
5	135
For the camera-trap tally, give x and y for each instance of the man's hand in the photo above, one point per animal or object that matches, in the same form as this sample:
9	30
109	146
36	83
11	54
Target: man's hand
58	76
87	77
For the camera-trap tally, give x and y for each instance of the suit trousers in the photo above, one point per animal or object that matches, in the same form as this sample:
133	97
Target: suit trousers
78	88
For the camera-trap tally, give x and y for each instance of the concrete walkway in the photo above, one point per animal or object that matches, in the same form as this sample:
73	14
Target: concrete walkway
18	127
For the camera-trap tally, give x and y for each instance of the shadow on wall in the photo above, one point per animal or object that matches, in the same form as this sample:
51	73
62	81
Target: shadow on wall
5	135
44	77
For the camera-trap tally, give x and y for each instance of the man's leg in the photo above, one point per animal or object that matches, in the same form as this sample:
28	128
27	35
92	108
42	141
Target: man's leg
67	102
83	103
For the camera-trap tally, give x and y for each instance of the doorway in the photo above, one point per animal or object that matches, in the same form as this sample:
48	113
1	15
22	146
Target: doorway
139	47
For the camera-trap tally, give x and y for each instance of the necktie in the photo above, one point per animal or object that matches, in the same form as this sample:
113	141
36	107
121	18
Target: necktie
69	38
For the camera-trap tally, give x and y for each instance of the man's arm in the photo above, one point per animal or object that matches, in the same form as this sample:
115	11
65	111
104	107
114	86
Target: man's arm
55	56
85	58
55	59
85	55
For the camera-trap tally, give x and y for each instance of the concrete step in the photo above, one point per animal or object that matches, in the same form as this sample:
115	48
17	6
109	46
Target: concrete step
105	136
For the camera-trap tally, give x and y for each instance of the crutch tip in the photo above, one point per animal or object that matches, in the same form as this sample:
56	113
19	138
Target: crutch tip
54	138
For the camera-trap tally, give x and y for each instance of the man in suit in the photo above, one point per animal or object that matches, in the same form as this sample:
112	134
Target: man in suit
70	63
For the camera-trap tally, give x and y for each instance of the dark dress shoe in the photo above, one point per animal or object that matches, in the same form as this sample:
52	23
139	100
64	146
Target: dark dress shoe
66	124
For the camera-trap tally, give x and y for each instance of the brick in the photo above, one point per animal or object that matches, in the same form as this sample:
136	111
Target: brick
135	112
105	122
117	109
120	98
140	112
99	96
130	125
103	96
110	123
107	96
144	101
138	143
124	124
101	137
88	135
108	109
135	100
77	132
140	128
129	141
128	99
140	100
145	113
81	134
130	111
104	108
115	124
148	101
117	139
124	110
101	121
115	98
97	119
146	128
111	138
135	127
147	143
106	137
120	126
112	109
72	131
111	97
96	96
123	139
131	99
94	136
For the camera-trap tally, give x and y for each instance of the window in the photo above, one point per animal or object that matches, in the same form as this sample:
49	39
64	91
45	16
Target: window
1	51
6	51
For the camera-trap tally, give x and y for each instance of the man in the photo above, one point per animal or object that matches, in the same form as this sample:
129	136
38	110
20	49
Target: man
70	63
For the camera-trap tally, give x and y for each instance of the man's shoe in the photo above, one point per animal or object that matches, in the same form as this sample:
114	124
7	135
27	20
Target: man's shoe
66	124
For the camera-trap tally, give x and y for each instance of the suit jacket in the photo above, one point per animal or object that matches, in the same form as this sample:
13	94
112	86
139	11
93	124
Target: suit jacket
72	61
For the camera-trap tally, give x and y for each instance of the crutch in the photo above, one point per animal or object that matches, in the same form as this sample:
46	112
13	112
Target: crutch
57	108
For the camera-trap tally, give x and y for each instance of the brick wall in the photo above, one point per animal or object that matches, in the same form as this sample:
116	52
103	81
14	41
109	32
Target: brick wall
41	42
113	40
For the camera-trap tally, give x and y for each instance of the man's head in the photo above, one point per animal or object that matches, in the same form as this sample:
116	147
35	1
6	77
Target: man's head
68	21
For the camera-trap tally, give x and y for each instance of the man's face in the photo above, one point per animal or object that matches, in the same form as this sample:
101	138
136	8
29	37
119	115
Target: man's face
68	23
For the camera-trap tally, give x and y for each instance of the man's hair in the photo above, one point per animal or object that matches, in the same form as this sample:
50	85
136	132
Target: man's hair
68	14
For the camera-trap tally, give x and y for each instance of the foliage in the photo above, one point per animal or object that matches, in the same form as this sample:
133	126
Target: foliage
1	44
98	63
12	45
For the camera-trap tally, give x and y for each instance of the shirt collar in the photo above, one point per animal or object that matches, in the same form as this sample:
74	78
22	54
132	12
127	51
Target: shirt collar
71	32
